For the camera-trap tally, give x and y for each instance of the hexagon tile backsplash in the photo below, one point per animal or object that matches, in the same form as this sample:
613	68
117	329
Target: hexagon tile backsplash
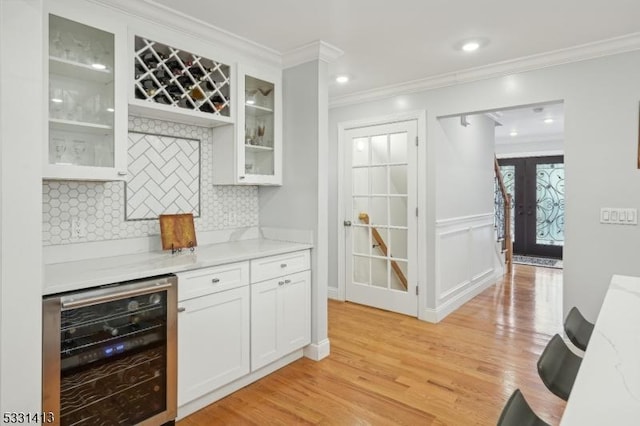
99	206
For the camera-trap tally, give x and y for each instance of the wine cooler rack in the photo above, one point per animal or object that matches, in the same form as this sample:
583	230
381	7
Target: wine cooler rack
177	78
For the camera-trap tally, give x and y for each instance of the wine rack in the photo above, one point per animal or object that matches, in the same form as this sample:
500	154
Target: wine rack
177	78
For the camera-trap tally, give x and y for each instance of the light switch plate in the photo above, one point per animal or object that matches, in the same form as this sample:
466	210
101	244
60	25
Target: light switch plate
619	216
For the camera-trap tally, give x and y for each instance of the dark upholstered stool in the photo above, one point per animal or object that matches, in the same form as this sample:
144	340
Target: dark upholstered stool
558	367
517	412
578	329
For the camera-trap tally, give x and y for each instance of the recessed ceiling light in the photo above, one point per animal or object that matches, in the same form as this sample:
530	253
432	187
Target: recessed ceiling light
99	66
342	79
548	120
471	46
513	133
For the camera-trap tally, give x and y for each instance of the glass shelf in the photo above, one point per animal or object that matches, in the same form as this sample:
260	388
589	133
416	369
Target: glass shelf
81	98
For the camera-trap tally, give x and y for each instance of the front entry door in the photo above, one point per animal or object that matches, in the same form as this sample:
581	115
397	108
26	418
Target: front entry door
380	201
536	185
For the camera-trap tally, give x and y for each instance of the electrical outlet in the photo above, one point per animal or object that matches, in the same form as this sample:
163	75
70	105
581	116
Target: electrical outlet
78	228
231	219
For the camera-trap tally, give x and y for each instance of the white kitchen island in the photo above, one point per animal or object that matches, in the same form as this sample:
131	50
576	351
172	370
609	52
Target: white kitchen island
607	388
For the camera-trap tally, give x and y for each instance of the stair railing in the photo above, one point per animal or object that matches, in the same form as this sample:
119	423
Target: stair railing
503	217
364	218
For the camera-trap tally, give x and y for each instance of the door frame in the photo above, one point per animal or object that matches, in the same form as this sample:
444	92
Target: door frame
420	116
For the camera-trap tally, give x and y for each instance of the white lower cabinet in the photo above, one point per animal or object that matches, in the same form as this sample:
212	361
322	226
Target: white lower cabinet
213	338
280	317
230	326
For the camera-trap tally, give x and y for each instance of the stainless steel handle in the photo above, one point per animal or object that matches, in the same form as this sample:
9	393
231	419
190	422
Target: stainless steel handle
122	173
215	280
181	309
241	177
280	282
283	265
287	281
347	223
109	297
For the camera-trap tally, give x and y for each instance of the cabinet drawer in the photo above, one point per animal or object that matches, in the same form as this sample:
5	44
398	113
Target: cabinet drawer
205	281
277	266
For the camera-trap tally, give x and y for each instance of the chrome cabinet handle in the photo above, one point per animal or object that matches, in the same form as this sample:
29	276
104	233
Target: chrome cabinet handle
241	177
287	281
280	282
181	309
122	173
283	265
215	280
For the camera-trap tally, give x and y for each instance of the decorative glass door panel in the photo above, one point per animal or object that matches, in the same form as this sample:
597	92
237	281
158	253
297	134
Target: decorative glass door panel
259	123
81	95
536	185
381	213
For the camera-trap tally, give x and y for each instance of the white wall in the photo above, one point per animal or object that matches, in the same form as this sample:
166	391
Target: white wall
299	206
21	96
601	134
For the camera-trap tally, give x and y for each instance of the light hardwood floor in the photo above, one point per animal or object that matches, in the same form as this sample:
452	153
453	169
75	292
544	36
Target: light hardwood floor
387	368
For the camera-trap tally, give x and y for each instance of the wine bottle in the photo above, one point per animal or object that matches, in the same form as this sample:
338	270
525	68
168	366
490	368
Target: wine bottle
150	60
174	91
196	72
185	82
210	85
162	76
174	66
140	94
184	103
162	99
206	108
196	93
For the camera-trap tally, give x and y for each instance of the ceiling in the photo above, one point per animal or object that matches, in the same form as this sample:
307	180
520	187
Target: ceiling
387	43
529	124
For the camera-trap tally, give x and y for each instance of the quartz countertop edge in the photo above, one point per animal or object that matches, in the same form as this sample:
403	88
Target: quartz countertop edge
83	274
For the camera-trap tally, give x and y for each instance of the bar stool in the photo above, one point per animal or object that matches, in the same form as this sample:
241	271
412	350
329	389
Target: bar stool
517	412
558	367
578	329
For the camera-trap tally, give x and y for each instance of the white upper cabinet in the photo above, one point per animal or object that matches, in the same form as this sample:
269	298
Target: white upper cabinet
256	144
87	114
176	84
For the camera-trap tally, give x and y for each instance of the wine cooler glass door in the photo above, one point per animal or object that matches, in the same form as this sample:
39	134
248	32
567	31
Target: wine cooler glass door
116	359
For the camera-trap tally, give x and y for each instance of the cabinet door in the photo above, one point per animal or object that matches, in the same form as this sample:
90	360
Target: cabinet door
213	342
258	135
296	312
265	323
86	103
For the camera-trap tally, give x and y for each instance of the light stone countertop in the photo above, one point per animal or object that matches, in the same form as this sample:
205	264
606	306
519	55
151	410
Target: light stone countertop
607	388
69	276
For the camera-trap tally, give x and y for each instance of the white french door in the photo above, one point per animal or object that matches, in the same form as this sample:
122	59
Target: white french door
380	190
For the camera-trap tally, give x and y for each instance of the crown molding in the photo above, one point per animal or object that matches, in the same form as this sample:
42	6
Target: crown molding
316	50
578	53
151	11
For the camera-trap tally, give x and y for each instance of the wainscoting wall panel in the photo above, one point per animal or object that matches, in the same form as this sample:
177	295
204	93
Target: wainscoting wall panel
465	264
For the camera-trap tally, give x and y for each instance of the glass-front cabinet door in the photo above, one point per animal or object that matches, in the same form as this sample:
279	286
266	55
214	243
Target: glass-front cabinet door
87	120
259	129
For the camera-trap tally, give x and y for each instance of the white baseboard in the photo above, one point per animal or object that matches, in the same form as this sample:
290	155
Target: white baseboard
473	289
210	398
317	351
333	293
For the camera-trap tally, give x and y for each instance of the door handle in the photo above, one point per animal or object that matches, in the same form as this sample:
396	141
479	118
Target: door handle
347	223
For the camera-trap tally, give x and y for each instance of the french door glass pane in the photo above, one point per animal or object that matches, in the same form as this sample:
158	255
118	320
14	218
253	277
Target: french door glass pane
378	180
379	150
550	204
398	148
379	272
361	241
361	268
378	214
360	152
361	181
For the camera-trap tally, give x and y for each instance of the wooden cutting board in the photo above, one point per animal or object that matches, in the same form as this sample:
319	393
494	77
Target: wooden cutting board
177	231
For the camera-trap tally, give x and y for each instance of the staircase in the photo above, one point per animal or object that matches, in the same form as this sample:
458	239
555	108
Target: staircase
503	218
364	218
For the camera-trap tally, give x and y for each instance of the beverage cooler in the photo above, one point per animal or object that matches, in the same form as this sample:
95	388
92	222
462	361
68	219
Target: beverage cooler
109	354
